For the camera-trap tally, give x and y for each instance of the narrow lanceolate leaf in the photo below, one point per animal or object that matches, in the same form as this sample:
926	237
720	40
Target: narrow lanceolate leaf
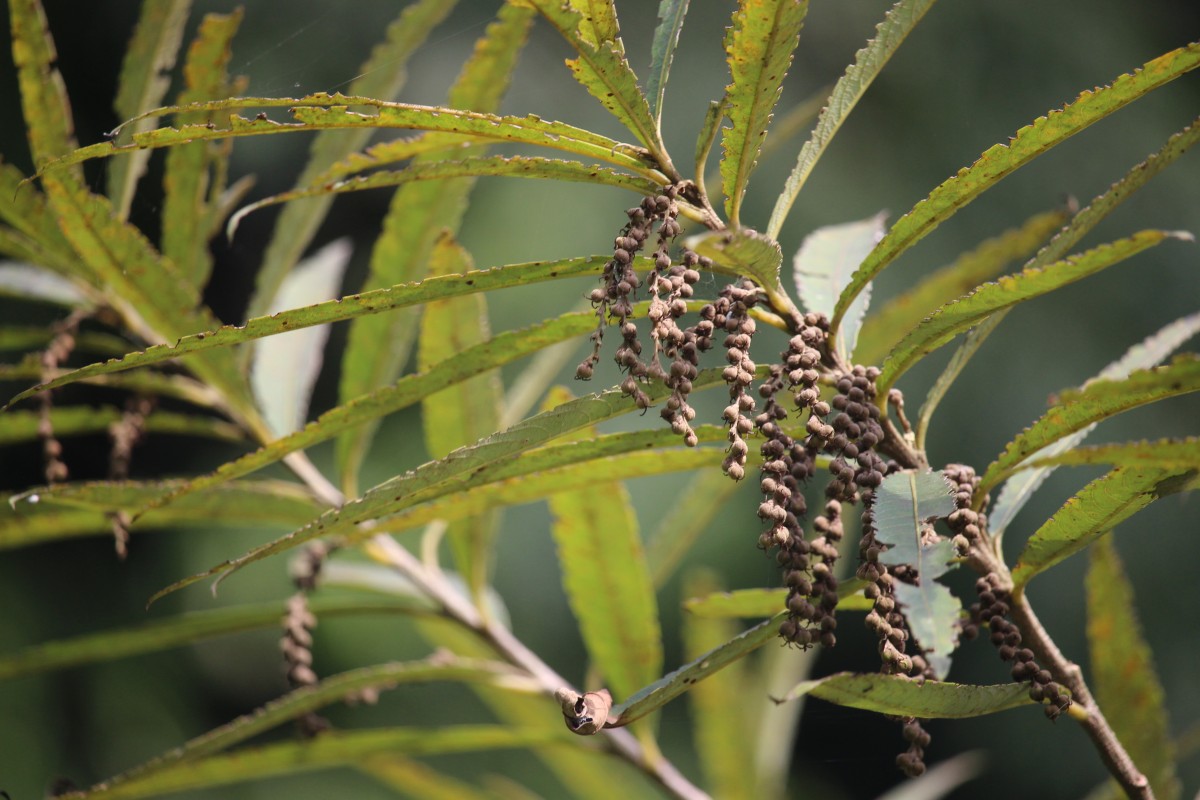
683	522
145	76
1019	488
22	426
181	630
868	62
1095	510
452	372
902	697
1123	676
823	266
44	103
1165	453
34	226
743	252
759	49
1098	400
194	174
884	326
332	749
344	308
382	75
962	356
607	583
331	690
720	718
1003	159
284	368
155	300
750	603
960	315
672	685
378	347
322	111
905	503
604	71
509	166
418	781
671	14
465	412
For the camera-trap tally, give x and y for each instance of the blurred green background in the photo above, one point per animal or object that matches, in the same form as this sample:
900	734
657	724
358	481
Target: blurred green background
971	75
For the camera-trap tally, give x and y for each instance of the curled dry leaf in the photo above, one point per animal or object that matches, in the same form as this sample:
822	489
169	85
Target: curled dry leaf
585	714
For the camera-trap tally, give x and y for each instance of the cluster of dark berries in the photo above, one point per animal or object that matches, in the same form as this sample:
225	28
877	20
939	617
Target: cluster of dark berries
912	761
298	623
731	313
992	609
812	586
856	432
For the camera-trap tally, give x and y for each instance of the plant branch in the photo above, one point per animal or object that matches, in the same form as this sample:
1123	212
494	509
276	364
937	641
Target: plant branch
1112	753
515	651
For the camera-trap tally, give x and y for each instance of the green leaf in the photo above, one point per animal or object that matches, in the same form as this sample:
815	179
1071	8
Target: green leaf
44	104
284	368
72	510
153	298
1166	453
1097	400
960	315
331	749
332	690
416	217
823	266
1019	488
34	226
672	685
501	349
868	62
465	412
145	77
1123	676
145	382
720	718
418	781
177	631
671	14
607	583
751	603
903	697
322	111
194	174
1095	510
22	426
884	326
742	252
509	166
374	302
604	71
759	49
381	75
1001	160
684	520
904	505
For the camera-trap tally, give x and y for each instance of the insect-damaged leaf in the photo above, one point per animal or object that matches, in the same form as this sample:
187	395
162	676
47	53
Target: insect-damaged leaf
904	504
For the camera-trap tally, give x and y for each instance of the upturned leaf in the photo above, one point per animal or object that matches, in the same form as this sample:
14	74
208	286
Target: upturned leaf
1166	453
868	62
743	252
671	14
1098	400
823	265
1094	511
44	104
751	603
759	49
1003	159
960	315
904	505
1126	684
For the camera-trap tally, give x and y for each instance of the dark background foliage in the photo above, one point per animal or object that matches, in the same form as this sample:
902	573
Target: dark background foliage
971	75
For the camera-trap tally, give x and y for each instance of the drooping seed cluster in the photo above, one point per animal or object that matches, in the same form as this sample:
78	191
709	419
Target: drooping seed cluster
682	345
966	524
812	586
56	352
992	609
912	761
856	432
731	313
298	623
